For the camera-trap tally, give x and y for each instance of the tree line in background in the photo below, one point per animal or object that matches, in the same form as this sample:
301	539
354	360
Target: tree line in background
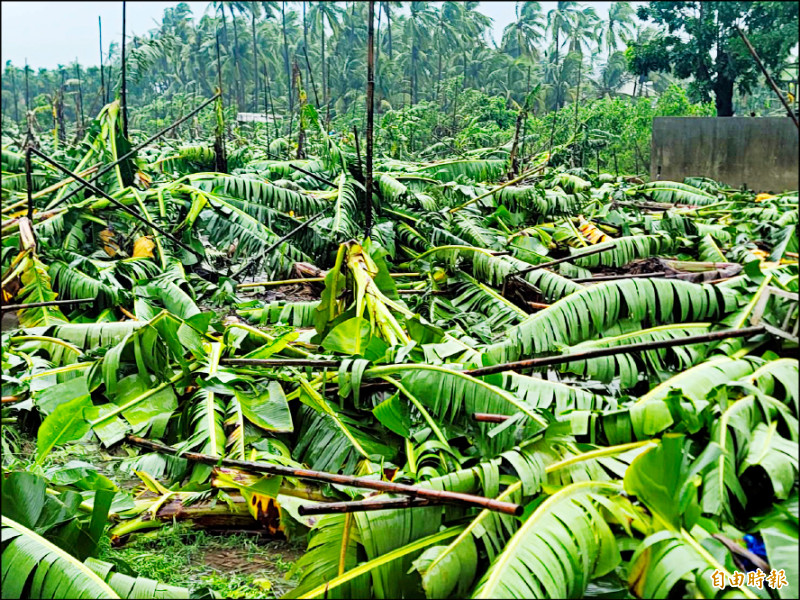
442	86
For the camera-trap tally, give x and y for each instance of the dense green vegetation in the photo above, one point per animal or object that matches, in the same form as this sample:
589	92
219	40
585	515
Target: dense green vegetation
604	368
441	85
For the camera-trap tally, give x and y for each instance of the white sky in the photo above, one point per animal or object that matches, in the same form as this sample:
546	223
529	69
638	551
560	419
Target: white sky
49	33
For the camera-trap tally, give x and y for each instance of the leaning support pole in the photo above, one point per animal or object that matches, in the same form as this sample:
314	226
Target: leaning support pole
525	175
373	484
558	261
769	77
116	203
134	150
313	175
261	255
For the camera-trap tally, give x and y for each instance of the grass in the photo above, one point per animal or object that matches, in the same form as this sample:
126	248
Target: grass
233	566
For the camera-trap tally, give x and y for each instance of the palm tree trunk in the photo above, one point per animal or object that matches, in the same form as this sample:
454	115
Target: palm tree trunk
27	89
62	131
414	52
255	65
227	44
389	28
324	74
439	48
578	92
286	65
525	122
370	116
558	89
79	104
102	72
124	95
14	91
240	81
301	134
378	39
271	103
220	157
305	51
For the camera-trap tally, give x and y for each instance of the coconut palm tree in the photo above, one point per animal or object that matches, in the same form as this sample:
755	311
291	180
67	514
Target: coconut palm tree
522	37
617	25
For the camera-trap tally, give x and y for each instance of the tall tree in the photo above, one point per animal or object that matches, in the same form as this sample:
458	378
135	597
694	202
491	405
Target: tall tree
559	20
521	38
702	43
618	23
584	31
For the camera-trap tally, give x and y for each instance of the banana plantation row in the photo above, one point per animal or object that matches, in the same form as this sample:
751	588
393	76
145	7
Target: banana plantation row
524	380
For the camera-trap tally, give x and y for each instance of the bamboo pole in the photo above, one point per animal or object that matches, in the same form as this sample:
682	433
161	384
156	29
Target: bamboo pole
8	307
529	363
361	506
383	486
281	362
489	417
117	203
598	352
624	276
305	280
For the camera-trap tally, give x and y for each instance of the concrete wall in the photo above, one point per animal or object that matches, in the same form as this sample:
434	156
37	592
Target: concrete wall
759	152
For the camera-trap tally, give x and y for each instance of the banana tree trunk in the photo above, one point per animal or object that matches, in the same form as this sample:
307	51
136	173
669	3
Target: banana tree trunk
578	91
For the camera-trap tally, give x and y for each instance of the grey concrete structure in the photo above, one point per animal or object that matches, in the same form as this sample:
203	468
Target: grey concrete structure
758	152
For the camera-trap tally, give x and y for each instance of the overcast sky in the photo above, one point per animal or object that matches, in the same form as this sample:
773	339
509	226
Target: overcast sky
49	33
